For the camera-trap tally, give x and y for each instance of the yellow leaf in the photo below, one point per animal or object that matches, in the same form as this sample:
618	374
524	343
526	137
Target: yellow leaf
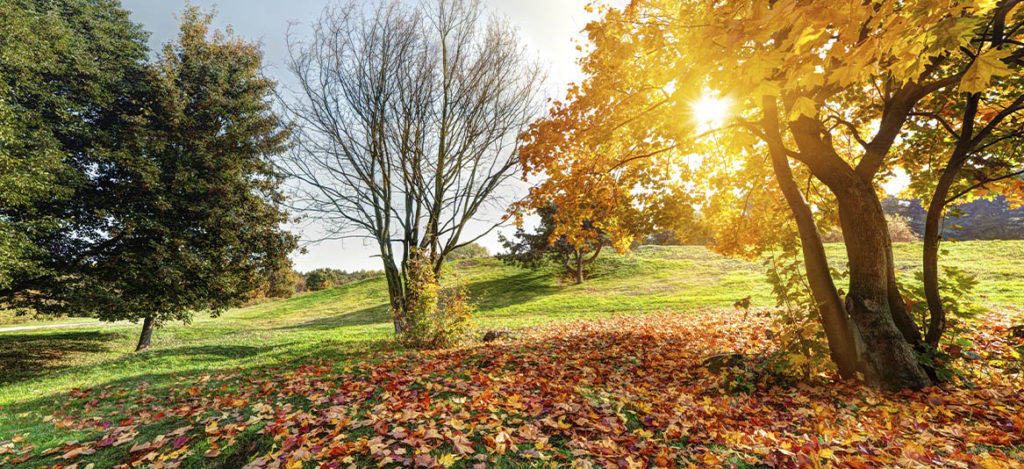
447	460
988	65
803	106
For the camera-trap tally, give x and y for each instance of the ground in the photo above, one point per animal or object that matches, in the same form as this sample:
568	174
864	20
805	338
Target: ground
606	372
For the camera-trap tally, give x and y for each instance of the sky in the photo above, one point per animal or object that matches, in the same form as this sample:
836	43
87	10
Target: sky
550	29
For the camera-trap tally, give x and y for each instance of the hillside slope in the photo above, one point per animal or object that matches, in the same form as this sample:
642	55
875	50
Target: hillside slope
349	319
50	374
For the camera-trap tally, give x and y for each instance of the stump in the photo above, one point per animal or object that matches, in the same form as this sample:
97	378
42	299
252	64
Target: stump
715	364
491	336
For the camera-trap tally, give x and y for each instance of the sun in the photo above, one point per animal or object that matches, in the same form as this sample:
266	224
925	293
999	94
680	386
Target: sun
711	111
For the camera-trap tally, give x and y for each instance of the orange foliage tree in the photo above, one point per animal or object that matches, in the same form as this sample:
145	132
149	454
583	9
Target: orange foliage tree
819	94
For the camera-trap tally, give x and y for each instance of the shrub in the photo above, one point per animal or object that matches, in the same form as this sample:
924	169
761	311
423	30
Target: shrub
434	318
284	283
900	230
322	279
469	251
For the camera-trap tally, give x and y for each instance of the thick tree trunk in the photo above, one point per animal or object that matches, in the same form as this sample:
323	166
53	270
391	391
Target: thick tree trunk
147	334
839	331
396	297
579	267
841	342
877	312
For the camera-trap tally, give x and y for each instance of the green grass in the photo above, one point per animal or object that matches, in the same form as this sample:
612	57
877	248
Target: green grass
42	362
346	323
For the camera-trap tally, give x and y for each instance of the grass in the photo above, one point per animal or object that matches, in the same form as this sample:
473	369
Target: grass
347	324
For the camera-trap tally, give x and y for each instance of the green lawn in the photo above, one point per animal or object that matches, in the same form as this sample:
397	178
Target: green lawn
42	362
348	323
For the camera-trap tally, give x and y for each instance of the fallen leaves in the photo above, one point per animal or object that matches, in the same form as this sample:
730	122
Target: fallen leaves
623	392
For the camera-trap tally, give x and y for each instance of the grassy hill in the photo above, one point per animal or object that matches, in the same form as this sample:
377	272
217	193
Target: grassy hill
349	324
353	317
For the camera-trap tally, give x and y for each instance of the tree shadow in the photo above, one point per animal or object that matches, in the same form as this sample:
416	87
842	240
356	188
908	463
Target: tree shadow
26	356
372	315
209	353
511	290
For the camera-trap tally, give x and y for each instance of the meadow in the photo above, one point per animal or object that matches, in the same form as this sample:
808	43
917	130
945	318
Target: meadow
47	375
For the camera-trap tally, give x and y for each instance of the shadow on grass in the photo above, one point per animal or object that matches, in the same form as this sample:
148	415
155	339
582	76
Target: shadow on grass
363	317
208	353
511	290
108	399
27	356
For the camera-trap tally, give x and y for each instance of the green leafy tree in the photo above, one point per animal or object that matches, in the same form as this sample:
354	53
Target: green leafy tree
208	232
469	251
71	77
320	279
535	250
183	212
324	278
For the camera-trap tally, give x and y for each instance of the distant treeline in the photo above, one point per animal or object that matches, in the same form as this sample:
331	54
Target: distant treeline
978	220
322	279
289	282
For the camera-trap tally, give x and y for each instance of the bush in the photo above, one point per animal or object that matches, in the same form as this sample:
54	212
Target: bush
434	318
469	251
900	230
284	283
322	279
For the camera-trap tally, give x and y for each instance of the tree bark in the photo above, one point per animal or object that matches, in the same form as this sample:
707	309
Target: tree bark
396	296
147	334
932	236
937	314
870	302
887	331
841	340
579	266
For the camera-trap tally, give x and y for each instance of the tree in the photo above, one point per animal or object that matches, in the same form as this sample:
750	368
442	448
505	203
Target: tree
70	80
324	278
189	211
825	86
213	212
990	216
284	283
469	251
407	122
26	177
984	125
534	250
29	158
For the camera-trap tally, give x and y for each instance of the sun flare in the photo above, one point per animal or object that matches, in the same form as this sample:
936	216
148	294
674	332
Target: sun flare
711	111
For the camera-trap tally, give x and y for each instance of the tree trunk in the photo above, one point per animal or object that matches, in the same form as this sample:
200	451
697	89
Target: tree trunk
579	266
932	236
937	313
147	334
841	342
841	337
877	313
396	296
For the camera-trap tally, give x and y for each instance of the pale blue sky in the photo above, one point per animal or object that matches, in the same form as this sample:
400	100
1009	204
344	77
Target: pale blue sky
548	28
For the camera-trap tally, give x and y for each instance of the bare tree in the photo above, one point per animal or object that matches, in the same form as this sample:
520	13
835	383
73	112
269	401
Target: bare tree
407	124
